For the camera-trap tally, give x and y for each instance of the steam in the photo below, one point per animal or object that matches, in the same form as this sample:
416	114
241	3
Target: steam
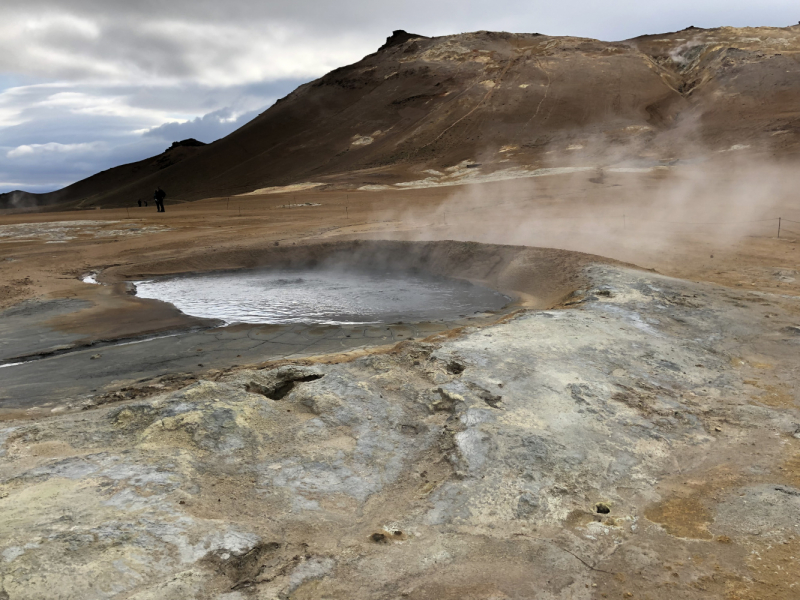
683	55
625	202
17	199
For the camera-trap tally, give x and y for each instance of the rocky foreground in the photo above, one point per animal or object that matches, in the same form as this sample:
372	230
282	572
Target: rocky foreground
640	442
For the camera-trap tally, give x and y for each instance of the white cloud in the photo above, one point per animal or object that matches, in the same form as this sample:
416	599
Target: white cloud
21	104
116	106
59	23
31	149
15	99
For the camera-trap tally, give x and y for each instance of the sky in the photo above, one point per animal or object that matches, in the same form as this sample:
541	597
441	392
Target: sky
86	85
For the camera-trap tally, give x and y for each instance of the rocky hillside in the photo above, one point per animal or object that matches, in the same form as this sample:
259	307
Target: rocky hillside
490	100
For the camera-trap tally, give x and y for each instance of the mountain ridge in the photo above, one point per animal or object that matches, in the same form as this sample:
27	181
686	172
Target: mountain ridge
501	100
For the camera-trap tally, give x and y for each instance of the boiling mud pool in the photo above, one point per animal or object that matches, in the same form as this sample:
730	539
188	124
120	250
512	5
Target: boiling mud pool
316	296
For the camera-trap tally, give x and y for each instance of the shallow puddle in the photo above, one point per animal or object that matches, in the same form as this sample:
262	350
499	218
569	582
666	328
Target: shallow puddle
316	296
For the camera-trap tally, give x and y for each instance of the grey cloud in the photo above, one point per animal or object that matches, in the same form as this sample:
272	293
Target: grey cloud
136	108
200	99
207	128
98	141
67	129
44	170
242	41
131	43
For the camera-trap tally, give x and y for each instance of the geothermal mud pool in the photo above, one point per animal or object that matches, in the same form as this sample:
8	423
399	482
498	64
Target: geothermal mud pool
292	303
322	296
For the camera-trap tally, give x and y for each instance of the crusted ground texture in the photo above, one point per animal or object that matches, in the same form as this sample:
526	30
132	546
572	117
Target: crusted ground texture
641	441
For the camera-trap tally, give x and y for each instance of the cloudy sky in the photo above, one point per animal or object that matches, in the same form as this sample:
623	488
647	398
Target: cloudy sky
89	84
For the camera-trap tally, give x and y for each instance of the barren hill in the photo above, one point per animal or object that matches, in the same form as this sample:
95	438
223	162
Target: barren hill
493	102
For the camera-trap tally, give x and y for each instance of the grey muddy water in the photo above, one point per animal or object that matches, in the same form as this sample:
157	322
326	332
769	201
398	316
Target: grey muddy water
322	296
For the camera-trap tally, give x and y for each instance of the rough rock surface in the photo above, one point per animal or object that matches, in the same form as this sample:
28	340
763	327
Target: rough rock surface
642	441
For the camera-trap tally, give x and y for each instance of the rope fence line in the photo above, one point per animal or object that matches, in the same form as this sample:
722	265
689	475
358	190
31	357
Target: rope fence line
633	220
713	222
639	220
495	206
623	218
620	216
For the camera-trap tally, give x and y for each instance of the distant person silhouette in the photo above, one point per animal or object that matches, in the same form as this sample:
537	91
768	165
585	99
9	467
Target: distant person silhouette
140	203
159	196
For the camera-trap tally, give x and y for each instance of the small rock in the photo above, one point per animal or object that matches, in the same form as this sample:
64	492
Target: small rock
94	357
717	428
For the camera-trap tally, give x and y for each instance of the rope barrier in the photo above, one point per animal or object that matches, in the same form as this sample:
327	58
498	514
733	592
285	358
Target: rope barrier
621	217
633	219
706	222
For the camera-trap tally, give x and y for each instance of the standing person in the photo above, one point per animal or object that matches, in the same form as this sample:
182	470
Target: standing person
159	196
140	203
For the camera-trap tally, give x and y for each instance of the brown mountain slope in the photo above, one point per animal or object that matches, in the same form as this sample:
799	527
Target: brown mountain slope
501	100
